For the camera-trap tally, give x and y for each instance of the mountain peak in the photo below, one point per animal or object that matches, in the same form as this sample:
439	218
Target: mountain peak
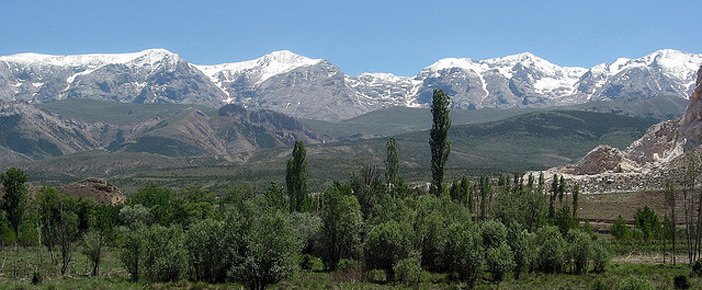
286	57
97	59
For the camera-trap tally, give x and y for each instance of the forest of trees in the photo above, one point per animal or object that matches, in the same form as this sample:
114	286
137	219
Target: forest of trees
373	223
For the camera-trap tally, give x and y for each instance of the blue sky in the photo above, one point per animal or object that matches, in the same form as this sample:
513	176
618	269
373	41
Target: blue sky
388	36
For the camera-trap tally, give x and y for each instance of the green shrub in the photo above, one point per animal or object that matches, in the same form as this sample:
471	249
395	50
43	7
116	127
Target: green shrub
376	276
552	250
463	252
409	270
647	221
269	248
579	250
635	283
494	234
601	255
341	225
524	249
619	229
564	220
132	247
499	261
387	244
165	255
208	253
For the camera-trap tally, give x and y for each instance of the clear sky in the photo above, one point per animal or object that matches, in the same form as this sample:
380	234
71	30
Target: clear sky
385	36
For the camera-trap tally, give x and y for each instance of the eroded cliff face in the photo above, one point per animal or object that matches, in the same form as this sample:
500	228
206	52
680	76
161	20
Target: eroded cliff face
648	162
691	123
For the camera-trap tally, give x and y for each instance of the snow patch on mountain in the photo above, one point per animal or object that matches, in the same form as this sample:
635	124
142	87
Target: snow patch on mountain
263	68
147	57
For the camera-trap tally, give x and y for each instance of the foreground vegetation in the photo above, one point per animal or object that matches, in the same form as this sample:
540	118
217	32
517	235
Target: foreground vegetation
115	277
370	231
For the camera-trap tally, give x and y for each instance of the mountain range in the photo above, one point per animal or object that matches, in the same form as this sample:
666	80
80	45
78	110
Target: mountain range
317	89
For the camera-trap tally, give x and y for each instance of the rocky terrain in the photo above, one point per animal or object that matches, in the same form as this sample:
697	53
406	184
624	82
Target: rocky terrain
317	89
648	162
31	132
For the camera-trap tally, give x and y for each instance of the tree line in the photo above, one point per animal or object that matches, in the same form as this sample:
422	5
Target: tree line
373	223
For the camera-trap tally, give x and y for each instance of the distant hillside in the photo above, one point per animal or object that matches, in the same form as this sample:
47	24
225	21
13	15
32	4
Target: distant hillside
398	120
61	128
532	141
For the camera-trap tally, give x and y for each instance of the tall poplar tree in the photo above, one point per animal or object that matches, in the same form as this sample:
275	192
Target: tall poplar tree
392	163
438	139
296	178
561	190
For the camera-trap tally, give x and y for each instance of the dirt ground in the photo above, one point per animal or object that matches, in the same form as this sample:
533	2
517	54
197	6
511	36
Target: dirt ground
604	208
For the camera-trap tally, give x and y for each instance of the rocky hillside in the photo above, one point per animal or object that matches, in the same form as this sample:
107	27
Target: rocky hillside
31	132
649	161
316	89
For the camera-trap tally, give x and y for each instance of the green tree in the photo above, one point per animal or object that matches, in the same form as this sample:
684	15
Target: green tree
579	250
671	197
59	225
296	178
104	219
341	225
601	255
194	204
499	260
463	252
429	223
368	187
14	200
308	228
494	233
208	250
392	163
552	250
7	234
619	229
160	201
561	190
388	243
464	197
552	199
576	193
438	140
564	220
647	221
485	196
165	255
275	196
269	249
132	247
409	270
524	248
133	215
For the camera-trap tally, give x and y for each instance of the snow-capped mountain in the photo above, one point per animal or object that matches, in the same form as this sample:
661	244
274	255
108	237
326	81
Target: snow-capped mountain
149	76
316	89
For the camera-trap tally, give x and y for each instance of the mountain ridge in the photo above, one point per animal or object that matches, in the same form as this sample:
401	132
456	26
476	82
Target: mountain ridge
317	89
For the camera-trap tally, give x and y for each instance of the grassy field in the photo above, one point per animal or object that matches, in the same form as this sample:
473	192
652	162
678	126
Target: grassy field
18	267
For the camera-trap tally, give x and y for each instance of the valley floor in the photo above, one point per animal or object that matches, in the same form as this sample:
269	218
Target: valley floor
18	265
